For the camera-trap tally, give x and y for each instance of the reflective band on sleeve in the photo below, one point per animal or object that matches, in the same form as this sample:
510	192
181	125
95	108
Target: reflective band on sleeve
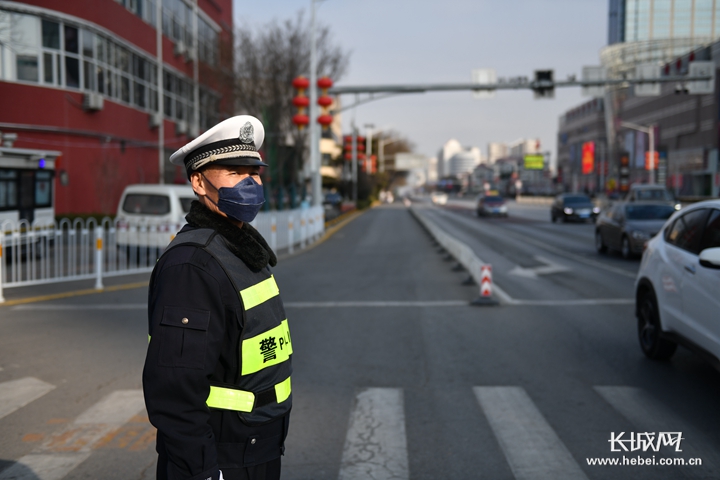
259	293
149	337
282	390
231	399
267	349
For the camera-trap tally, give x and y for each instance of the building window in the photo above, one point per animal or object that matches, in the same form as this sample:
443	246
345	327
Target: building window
8	189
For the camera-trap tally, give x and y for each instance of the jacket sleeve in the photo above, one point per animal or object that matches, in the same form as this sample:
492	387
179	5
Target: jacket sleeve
187	326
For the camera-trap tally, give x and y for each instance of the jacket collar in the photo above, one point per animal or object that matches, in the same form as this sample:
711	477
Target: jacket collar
246	243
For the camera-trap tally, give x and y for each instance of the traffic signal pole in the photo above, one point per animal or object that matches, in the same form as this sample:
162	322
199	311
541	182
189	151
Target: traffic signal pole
519	83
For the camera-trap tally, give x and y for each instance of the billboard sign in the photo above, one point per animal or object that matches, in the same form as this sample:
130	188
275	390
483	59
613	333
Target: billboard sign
588	158
410	161
534	162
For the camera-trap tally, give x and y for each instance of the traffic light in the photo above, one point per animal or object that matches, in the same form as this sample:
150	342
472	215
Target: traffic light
544	86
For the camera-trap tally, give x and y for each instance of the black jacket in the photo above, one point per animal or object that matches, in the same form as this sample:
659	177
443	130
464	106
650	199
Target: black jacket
188	282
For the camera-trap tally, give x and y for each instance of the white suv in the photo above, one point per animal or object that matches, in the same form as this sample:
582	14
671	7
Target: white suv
678	285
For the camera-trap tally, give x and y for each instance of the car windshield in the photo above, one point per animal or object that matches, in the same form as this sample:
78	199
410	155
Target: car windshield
648	212
185	203
146	204
653	194
493	199
576	200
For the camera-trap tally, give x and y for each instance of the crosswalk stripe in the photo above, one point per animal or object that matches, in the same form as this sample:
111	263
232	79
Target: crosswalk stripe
43	467
531	446
15	394
649	415
64	451
376	446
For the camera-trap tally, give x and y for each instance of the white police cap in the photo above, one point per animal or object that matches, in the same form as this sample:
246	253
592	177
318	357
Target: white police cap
234	141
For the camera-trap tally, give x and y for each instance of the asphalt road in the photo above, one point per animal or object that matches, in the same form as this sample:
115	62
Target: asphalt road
395	374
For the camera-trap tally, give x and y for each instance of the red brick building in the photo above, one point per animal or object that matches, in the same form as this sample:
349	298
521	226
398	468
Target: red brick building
81	77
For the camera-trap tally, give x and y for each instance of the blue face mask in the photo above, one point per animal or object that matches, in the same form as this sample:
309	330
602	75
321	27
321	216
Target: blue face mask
241	202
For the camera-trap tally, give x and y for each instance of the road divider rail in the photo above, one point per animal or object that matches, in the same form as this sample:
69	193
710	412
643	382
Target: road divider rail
465	257
35	254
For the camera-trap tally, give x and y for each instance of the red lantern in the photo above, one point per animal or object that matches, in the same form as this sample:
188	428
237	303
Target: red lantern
301	102
325	120
325	101
324	83
301	83
301	120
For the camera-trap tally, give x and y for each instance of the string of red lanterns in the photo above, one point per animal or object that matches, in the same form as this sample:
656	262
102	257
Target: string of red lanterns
301	101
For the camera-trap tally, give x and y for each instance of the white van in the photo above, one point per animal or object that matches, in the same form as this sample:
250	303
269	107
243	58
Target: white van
151	214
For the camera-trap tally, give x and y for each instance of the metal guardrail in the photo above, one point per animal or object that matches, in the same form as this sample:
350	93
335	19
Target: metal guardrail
78	250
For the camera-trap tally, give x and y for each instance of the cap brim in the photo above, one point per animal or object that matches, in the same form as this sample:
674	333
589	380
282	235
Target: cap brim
240	161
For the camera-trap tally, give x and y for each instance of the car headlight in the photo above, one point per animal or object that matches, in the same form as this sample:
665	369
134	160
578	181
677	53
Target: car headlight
640	235
503	208
678	206
568	211
596	209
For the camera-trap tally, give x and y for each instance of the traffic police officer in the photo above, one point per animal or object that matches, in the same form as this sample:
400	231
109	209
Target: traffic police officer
217	373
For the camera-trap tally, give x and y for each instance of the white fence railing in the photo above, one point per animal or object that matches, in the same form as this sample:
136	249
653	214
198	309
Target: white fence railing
77	250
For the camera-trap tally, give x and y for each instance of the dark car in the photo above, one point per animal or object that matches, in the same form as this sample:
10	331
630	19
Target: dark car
573	206
626	226
491	205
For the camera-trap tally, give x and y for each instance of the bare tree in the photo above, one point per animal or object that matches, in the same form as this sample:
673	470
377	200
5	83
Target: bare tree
267	59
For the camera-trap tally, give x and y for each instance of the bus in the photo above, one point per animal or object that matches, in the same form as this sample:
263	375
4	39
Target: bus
26	187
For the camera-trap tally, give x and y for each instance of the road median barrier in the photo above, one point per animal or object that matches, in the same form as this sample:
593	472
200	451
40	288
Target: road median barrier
477	269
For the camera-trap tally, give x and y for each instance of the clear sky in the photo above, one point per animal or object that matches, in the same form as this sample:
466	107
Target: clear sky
442	41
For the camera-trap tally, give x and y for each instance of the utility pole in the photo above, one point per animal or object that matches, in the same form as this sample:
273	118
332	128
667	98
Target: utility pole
368	147
316	180
354	164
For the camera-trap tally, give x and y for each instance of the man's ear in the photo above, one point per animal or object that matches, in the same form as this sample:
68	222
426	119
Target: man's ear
198	183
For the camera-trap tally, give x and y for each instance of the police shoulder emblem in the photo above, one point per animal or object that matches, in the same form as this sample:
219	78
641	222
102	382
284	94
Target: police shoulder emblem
247	133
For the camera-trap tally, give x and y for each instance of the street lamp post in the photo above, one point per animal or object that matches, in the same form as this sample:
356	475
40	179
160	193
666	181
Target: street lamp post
316	179
650	130
368	147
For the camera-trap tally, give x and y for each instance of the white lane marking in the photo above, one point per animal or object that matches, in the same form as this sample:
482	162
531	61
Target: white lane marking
523	238
532	448
65	450
548	268
95	306
376	445
43	467
15	394
649	415
578	302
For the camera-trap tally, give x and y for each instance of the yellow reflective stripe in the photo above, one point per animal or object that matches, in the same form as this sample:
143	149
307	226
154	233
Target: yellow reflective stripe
267	349
259	293
282	390
231	399
149	338
242	401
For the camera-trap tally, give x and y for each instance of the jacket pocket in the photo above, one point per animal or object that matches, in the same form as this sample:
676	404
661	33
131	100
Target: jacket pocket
183	337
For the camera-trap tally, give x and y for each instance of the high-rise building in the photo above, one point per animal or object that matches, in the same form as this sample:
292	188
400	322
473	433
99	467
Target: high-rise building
96	81
655	31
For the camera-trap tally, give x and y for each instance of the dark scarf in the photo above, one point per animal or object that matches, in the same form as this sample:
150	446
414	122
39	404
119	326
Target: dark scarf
246	243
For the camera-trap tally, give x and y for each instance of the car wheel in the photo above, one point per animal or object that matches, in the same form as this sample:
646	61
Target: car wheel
600	243
649	331
625	250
